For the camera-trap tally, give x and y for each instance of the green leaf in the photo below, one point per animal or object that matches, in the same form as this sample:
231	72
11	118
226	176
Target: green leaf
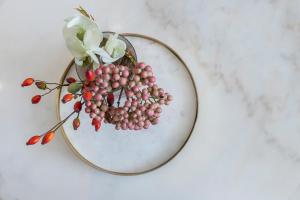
74	87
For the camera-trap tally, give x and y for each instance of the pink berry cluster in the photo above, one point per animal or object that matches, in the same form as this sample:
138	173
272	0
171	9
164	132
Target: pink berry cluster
140	109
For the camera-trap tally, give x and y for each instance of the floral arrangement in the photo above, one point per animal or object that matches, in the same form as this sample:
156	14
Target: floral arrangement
110	73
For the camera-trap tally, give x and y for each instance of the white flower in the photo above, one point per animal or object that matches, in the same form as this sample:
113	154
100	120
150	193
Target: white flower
115	48
83	38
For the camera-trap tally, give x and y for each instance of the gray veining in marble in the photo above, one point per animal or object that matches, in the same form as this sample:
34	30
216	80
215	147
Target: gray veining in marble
245	56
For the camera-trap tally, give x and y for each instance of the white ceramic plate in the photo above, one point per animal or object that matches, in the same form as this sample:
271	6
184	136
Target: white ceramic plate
135	152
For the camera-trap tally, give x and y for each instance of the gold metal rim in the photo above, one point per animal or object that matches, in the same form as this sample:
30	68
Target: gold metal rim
139	172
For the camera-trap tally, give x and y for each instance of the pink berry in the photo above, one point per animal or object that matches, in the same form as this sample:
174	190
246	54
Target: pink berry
148	68
102	114
88	103
116	77
136	78
98	103
125	73
149	73
106	70
144	74
135	89
136	70
152	79
116	70
106	77
98	97
99	80
98	71
149	112
122	68
129	94
115	85
131	84
123	81
141	65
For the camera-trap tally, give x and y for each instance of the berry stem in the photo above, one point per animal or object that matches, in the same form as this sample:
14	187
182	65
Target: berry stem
120	95
61	122
50	90
53	83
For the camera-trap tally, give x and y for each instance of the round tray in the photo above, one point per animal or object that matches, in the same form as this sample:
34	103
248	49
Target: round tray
138	152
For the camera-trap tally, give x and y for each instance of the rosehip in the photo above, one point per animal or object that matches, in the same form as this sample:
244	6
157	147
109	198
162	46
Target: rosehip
76	123
77	106
90	75
27	82
48	137
97	126
33	140
68	97
87	95
110	99
94	121
36	99
71	80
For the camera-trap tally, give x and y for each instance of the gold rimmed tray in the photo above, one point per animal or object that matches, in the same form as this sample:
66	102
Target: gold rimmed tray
138	152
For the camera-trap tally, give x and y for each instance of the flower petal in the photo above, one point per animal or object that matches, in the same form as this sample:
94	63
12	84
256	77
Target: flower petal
93	56
92	38
78	61
109	46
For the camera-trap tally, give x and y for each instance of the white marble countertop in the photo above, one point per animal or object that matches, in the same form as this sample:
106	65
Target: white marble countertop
245	56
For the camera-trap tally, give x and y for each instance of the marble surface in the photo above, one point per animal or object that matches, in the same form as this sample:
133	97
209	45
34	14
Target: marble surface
245	56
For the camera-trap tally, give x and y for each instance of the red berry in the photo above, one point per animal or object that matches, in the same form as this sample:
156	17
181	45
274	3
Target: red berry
77	106
33	140
27	82
48	137
36	99
71	80
90	75
68	97
87	95
94	121
110	99
97	126
76	123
